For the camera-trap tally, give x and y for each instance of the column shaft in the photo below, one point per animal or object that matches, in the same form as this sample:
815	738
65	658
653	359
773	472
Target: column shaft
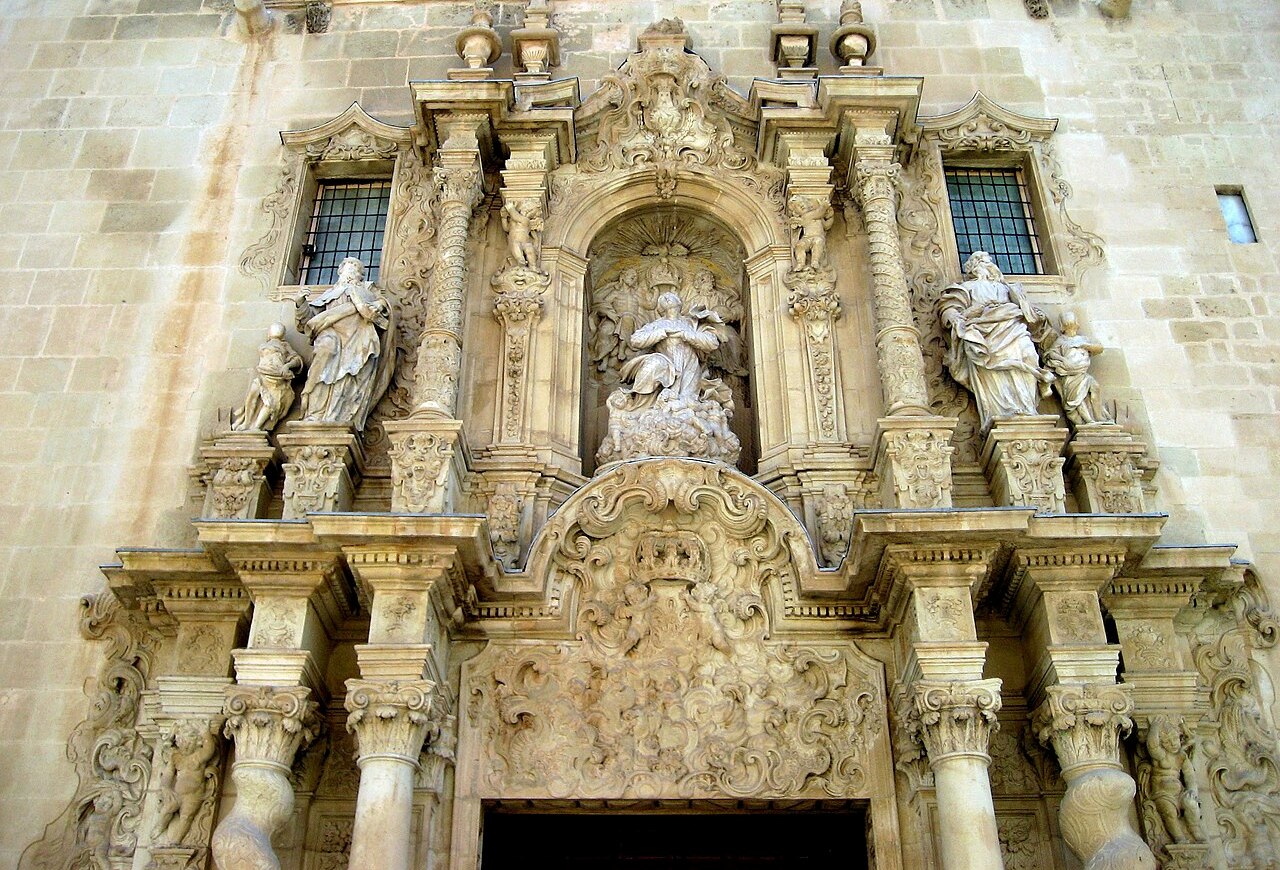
898	353
966	814
459	182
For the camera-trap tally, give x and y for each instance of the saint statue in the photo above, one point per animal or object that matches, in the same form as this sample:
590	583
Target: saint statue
667	405
991	350
271	390
352	329
1069	358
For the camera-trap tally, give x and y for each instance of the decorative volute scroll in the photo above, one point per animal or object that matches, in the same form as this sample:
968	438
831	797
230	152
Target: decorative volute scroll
678	685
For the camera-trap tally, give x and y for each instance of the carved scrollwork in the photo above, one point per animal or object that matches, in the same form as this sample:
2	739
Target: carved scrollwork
260	260
112	760
389	718
418	464
665	110
672	688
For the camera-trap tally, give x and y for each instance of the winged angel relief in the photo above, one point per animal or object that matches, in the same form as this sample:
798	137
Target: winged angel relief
673	690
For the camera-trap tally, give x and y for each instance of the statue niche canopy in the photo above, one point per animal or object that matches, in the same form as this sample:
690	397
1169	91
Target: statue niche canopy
666	368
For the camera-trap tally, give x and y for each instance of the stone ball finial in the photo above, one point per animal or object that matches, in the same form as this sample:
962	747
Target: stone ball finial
853	42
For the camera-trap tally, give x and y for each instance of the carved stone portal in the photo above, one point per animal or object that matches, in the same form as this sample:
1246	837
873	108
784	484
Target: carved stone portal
675	688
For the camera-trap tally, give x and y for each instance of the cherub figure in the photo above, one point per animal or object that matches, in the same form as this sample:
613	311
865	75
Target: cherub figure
522	221
1173	782
1069	357
637	600
811	217
271	391
184	781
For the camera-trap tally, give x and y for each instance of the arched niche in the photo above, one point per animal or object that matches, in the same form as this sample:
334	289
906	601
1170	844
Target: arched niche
584	206
630	262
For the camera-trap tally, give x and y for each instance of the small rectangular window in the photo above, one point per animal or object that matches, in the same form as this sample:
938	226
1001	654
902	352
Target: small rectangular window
1236	214
349	220
991	211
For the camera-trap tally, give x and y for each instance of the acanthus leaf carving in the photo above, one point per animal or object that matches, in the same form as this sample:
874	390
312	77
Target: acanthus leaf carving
419	462
389	718
951	718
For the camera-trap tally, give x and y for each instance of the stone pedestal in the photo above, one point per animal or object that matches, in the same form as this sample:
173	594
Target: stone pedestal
1189	856
1023	460
323	461
427	464
913	461
176	858
235	476
1102	465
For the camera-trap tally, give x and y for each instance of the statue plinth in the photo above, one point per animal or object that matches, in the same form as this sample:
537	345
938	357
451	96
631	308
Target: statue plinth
322	463
427	464
1102	465
1023	460
235	475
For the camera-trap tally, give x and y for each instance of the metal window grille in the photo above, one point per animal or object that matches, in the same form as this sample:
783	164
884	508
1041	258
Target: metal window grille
991	211
348	221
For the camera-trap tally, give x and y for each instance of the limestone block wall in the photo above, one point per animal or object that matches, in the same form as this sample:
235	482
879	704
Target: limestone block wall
138	138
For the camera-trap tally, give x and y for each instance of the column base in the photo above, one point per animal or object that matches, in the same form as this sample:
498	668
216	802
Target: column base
913	461
1102	465
235	476
427	465
1023	460
323	461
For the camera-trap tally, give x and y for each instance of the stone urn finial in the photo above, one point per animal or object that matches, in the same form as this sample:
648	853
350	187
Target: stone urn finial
854	41
478	45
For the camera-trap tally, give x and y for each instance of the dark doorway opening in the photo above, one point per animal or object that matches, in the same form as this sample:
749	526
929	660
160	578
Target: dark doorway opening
603	840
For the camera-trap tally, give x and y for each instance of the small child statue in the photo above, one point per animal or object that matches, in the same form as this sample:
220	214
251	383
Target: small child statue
1069	357
271	391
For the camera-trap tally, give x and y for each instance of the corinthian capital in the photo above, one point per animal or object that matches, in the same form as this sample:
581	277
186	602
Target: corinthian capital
269	724
458	185
1084	723
952	718
876	179
389	718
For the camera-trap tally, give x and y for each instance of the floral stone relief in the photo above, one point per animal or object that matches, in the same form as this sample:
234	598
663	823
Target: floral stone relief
675	687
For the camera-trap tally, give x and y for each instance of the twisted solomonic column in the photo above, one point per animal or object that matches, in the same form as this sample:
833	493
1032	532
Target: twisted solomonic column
898	353
390	720
1084	724
954	721
269	725
459	185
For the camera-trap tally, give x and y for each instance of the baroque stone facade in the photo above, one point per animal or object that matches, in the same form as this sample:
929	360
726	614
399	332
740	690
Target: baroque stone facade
660	450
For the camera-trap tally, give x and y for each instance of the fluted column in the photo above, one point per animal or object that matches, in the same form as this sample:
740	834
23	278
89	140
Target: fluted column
898	353
268	725
459	181
955	720
390	720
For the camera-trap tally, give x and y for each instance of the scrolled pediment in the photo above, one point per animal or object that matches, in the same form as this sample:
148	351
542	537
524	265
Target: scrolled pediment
352	135
984	125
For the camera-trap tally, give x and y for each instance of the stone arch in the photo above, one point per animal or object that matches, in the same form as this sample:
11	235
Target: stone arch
585	204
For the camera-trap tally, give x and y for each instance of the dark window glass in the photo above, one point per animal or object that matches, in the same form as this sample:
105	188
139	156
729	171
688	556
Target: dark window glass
991	211
348	221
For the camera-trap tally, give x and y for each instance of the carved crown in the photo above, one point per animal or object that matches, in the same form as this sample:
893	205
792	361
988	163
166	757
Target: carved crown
671	555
